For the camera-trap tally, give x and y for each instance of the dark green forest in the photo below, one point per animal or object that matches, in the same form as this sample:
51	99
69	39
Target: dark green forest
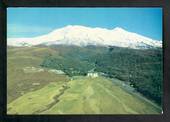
142	69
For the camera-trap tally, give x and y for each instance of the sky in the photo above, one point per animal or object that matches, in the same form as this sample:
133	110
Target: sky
31	22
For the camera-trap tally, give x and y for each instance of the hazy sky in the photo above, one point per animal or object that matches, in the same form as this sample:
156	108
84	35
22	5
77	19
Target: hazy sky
30	22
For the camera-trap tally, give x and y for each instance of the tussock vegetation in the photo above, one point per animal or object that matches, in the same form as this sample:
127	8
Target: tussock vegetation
37	90
141	68
19	82
82	95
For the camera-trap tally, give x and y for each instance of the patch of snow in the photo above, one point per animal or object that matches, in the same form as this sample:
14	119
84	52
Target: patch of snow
56	71
83	36
32	69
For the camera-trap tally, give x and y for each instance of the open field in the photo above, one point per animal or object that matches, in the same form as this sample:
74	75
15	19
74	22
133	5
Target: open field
83	95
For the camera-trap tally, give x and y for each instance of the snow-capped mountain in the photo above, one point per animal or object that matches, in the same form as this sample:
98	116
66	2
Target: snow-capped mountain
83	36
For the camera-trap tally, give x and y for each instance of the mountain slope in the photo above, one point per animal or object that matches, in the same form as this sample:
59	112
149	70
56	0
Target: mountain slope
83	36
83	95
34	89
141	68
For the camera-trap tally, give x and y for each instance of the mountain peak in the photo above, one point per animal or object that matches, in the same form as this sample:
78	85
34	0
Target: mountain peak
75	26
119	29
83	36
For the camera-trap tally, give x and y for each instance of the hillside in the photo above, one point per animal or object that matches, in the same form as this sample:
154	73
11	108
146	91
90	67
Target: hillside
140	68
53	80
82	95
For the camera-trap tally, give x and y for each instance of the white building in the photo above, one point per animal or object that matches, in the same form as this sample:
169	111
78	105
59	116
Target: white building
92	74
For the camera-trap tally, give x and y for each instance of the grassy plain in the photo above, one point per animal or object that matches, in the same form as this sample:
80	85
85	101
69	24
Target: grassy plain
83	95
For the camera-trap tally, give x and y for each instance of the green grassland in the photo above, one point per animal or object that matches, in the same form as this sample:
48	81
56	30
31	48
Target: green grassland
82	95
19	82
33	89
